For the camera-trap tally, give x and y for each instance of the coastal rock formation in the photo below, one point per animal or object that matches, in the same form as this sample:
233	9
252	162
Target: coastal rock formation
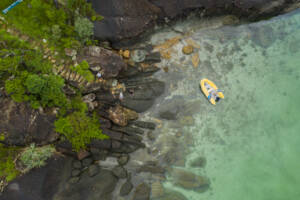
142	192
171	195
109	62
121	116
22	125
124	20
104	183
141	93
188	180
39	184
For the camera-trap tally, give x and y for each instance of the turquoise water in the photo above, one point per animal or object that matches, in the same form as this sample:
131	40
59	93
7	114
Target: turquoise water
251	139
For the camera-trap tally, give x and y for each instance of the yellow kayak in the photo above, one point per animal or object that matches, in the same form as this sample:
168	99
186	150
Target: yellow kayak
211	91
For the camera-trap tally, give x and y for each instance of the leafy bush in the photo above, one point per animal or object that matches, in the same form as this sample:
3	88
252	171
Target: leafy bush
83	70
78	105
35	84
40	19
81	7
39	90
35	156
56	32
16	89
79	129
7	166
84	28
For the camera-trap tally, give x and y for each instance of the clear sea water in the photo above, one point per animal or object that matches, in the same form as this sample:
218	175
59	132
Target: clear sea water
251	139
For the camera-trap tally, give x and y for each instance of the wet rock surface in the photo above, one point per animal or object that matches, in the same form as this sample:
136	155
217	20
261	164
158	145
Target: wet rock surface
126	188
141	93
93	170
171	195
189	180
198	162
142	192
119	172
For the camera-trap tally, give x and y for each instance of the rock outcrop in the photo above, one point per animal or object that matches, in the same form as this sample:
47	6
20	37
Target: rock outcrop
22	125
108	63
39	184
124	20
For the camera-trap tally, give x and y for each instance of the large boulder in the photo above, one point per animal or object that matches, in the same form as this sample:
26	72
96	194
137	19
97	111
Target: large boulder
128	19
171	195
99	186
124	19
189	180
22	125
109	62
40	183
141	93
121	116
142	192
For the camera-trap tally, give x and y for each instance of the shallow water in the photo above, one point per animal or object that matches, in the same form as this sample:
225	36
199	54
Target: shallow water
251	139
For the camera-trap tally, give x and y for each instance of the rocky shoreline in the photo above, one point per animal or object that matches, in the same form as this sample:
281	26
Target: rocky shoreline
124	89
127	21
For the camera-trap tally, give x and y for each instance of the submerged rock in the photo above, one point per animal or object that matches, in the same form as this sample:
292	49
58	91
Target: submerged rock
170	109
189	180
188	49
142	192
123	159
198	162
263	36
119	172
142	124
99	186
126	188
171	195
157	190
139	55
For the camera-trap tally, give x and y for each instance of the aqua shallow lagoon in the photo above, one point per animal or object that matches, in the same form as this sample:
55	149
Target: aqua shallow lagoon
251	139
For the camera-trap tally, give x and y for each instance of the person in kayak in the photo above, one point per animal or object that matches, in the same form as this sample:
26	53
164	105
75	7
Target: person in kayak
213	94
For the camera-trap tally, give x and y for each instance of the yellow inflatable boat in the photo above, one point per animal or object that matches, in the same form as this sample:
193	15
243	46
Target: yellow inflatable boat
211	91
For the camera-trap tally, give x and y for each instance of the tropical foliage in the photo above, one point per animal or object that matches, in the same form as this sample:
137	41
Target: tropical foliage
83	70
7	165
34	156
79	129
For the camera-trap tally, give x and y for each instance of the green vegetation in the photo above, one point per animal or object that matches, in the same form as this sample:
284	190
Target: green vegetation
2	137
79	129
81	7
84	28
40	19
7	165
34	156
83	70
28	77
